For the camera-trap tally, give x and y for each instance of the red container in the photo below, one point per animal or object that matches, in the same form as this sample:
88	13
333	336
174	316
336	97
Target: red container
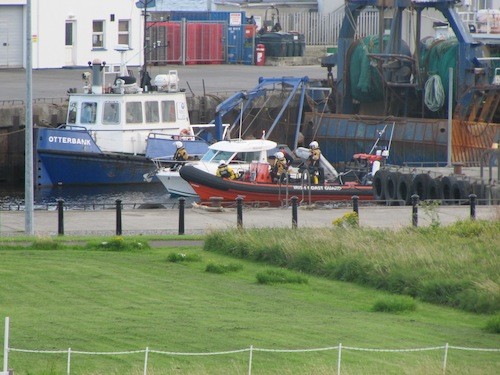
260	55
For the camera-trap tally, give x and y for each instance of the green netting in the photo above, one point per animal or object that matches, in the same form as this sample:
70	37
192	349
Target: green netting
365	82
437	56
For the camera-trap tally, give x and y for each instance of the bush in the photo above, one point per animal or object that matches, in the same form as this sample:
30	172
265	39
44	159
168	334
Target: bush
223	268
395	304
444	292
349	220
280	277
119	244
181	257
493	324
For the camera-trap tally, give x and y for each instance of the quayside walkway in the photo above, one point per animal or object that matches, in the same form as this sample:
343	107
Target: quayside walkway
199	221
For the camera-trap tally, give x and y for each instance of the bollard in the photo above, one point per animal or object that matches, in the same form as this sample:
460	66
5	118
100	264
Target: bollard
118	217
239	212
472	198
414	203
355	206
294	212
60	217
181	215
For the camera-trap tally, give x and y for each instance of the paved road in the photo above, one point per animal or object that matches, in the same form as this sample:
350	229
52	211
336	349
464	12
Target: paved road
199	221
53	83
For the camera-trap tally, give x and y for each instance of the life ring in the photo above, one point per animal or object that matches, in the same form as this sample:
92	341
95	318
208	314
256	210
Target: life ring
378	185
391	186
404	188
420	185
446	188
434	189
185	135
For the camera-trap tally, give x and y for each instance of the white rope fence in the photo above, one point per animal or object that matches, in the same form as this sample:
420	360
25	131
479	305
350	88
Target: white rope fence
250	350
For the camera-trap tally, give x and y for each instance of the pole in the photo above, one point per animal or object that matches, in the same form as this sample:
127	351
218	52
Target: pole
118	217
295	219
6	346
145	50
181	215
450	115
239	210
472	198
28	147
60	217
414	215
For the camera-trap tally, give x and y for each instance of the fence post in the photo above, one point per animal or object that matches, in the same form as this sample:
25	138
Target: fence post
295	220
6	346
250	361
445	359
146	356
472	198
60	217
118	217
339	359
68	367
414	215
239	212
181	215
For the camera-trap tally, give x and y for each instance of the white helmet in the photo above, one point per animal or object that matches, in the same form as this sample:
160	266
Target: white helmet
222	162
279	155
178	144
313	144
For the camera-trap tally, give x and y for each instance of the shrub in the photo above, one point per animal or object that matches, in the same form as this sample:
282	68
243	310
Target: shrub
223	268
444	292
493	324
349	220
118	243
280	277
181	257
395	304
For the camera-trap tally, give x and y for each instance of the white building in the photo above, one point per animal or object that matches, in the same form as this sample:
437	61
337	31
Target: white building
70	32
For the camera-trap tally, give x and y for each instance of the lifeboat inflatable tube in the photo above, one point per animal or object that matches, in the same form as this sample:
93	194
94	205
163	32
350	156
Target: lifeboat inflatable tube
404	191
391	186
378	185
420	185
445	188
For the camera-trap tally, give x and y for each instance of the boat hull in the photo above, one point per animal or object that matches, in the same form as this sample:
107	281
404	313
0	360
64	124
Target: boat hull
208	186
175	184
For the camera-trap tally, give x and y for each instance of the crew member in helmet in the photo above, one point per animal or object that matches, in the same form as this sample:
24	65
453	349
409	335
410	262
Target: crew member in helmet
313	162
280	167
180	152
289	159
225	171
180	155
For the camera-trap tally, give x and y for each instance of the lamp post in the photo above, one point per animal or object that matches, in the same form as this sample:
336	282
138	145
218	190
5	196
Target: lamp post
144	4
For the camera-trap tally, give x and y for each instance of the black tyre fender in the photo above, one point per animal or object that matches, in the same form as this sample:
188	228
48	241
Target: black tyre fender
391	185
446	188
420	185
404	188
378	185
434	190
460	190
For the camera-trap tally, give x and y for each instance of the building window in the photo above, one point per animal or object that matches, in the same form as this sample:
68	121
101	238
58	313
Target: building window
124	32
69	34
97	34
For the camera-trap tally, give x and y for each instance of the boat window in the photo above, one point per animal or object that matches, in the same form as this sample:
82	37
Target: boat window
111	113
88	113
168	111
134	112
247	157
152	114
208	155
72	113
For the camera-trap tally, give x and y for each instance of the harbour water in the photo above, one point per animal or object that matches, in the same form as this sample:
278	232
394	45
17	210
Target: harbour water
90	197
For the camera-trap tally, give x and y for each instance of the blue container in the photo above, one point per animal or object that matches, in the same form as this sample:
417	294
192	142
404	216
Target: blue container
235	22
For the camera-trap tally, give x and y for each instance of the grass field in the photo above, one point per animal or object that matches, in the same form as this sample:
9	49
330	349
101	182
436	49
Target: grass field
100	299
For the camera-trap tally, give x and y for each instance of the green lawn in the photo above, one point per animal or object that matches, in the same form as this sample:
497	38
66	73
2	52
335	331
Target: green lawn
108	301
